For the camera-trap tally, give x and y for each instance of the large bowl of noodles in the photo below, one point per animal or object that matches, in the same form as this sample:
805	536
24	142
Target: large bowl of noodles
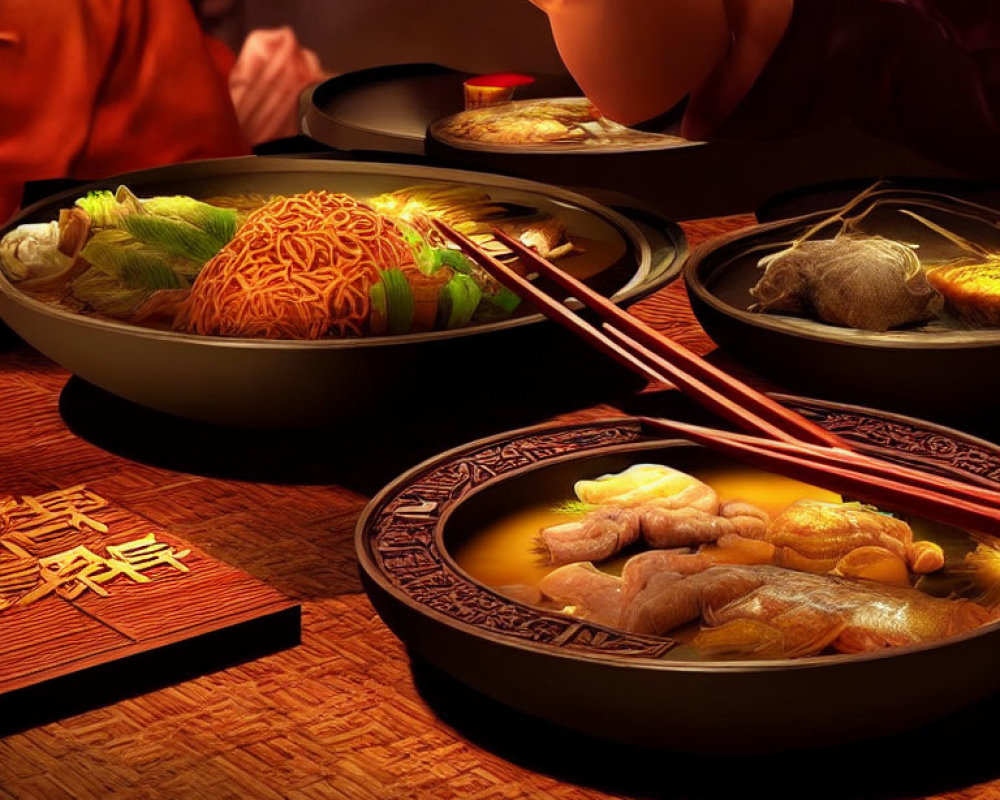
204	371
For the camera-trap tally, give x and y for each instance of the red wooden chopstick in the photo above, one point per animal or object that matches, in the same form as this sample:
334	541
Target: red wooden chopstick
552	308
726	398
709	397
822	458
881	491
738	395
846	459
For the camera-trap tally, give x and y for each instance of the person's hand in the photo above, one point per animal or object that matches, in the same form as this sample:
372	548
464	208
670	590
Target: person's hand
270	72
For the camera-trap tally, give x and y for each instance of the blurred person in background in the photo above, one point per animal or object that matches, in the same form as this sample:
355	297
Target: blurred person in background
268	76
478	36
266	83
95	87
91	88
923	73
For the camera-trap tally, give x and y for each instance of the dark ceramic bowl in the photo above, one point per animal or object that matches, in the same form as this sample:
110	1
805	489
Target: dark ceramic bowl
940	368
624	686
282	384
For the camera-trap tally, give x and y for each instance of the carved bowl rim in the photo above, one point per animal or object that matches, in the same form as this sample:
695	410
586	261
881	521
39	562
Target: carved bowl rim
369	564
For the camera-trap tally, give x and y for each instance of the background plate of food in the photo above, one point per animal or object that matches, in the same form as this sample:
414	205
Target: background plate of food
292	292
545	126
388	108
891	299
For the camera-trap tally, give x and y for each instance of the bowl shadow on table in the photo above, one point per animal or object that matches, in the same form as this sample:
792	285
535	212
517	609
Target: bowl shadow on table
950	754
362	452
8	339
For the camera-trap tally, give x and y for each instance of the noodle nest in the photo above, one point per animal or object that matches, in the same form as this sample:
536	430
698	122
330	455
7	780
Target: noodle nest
299	267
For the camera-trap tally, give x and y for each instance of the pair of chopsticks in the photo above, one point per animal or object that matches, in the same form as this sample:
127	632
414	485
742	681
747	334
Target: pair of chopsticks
859	476
778	438
638	347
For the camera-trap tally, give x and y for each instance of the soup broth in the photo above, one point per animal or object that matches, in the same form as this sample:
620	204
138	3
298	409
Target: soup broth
504	552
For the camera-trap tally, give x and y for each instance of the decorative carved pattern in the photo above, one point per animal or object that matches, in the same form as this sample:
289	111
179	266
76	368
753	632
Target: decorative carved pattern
405	530
905	442
405	548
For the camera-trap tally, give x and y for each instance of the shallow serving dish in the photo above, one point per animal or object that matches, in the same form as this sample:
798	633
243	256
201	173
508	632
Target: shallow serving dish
625	686
388	108
597	137
275	383
937	368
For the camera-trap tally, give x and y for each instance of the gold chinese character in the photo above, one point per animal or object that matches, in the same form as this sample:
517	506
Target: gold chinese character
17	576
11	547
147	552
71	573
36	521
30	524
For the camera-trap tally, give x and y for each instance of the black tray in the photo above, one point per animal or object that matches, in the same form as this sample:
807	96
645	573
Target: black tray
389	108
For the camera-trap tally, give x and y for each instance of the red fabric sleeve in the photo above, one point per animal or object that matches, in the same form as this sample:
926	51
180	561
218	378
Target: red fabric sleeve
222	55
116	85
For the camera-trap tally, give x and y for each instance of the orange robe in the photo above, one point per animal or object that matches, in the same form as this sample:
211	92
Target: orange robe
89	88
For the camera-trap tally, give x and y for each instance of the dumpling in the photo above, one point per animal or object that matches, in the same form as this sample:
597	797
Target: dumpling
858	281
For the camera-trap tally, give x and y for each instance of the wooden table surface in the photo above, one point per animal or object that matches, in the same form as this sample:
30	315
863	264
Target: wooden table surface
347	714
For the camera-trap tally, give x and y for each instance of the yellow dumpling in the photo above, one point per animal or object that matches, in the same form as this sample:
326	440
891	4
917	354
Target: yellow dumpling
639	484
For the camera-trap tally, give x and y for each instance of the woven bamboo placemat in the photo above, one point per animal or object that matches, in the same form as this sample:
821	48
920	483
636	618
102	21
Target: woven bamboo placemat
347	714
